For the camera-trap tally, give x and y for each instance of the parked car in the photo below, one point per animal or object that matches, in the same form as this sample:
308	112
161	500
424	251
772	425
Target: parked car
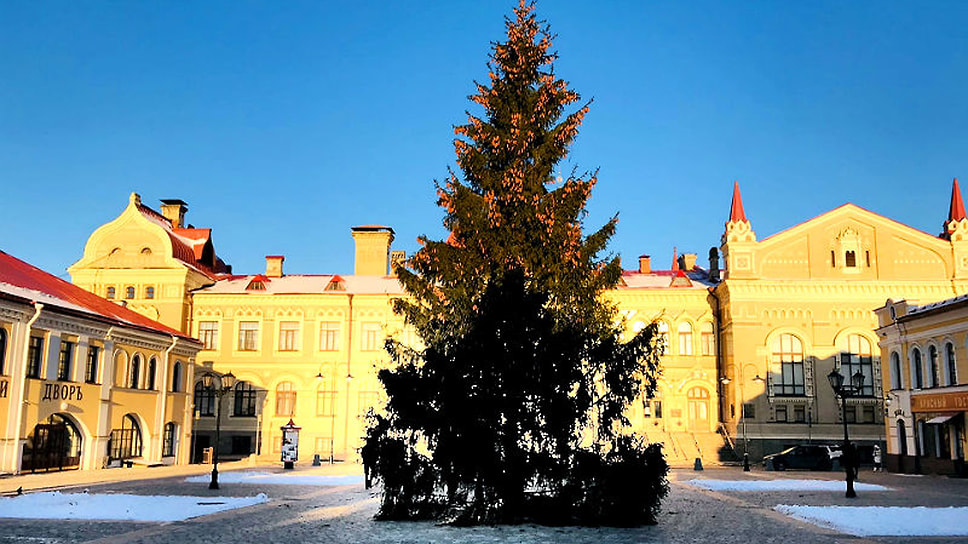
810	456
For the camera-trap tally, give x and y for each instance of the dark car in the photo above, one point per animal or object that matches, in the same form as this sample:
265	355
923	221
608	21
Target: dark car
812	457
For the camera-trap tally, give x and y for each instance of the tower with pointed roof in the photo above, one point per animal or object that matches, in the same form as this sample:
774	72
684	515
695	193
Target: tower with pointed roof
738	241
955	230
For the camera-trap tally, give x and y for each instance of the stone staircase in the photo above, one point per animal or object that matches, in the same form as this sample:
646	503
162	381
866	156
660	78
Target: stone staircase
682	448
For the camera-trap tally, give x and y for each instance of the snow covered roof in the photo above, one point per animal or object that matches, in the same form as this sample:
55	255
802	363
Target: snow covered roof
923	309
306	284
22	281
663	279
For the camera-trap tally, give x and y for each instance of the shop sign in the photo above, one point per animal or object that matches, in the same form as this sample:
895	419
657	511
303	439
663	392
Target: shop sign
940	402
56	391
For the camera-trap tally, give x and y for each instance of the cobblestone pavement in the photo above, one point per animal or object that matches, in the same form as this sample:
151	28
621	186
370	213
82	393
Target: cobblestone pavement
344	514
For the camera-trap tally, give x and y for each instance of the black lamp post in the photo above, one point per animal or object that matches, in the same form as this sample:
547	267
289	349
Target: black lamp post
843	390
222	385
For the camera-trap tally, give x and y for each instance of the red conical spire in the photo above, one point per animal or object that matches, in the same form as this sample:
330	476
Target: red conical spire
957	210
675	259
736	212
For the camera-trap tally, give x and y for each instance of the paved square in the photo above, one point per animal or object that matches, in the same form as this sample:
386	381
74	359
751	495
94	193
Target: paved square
344	513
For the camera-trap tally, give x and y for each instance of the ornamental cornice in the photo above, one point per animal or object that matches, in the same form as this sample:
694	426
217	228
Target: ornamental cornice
56	322
942	289
14	314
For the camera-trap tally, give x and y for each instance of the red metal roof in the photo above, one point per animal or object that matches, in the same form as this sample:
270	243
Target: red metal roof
957	210
15	272
736	212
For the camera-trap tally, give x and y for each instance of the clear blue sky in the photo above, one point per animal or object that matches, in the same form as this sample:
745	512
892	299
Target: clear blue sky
283	124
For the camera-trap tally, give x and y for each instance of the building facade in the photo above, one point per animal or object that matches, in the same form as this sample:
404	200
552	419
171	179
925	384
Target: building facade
796	305
86	383
748	344
925	388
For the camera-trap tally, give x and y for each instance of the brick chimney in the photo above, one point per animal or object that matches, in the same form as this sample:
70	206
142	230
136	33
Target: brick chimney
645	264
274	266
174	210
372	250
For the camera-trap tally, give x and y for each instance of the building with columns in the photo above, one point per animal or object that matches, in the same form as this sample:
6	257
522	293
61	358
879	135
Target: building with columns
748	343
86	383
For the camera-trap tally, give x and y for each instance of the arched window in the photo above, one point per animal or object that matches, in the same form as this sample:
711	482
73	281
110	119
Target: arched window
245	399
149	292
135	374
129	292
950	366
663	328
897	381
901	438
933	366
121	369
125	441
3	351
168	440
204	399
685	338
858	358
150	378
285	400
787	357
917	371
176	377
707	338
111	292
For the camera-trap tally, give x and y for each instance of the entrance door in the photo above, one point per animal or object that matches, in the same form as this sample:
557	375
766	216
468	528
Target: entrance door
53	445
698	399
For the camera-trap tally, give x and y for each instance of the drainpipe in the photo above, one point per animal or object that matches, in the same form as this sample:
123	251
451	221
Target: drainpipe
163	398
719	360
17	398
349	377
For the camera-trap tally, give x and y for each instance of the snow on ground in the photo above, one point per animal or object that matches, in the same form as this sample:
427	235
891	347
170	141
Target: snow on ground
884	520
782	485
276	478
57	505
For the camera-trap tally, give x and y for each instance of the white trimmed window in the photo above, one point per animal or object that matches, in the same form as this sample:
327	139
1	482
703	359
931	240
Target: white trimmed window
248	335
707	338
329	336
208	334
289	336
685	338
370	337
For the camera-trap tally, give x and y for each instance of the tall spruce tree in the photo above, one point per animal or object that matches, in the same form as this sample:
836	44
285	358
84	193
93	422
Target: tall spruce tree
512	407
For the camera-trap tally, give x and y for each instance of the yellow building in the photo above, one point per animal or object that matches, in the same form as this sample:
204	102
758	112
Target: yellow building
683	413
796	305
312	343
927	355
86	383
744	369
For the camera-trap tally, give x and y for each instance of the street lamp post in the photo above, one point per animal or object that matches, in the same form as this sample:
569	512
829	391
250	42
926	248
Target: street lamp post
742	414
843	390
222	385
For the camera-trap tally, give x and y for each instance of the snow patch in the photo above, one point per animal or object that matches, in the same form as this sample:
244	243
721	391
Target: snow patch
782	485
275	478
884	520
57	505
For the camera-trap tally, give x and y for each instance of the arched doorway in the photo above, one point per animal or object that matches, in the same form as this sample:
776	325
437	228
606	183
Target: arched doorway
54	444
698	399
